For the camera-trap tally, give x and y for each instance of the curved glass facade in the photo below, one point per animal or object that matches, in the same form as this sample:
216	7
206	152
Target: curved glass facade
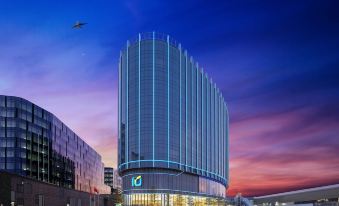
161	199
171	115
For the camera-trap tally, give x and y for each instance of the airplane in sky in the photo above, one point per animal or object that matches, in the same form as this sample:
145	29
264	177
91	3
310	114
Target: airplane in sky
78	25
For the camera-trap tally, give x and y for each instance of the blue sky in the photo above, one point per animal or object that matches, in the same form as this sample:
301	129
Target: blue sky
276	63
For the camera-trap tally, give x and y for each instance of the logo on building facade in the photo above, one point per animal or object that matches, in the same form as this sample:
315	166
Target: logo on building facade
137	181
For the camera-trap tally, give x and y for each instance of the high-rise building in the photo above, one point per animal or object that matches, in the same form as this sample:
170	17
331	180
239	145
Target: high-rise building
35	143
173	126
113	179
109	176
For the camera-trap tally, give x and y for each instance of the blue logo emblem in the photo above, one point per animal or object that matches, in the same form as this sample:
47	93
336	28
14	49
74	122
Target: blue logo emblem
137	181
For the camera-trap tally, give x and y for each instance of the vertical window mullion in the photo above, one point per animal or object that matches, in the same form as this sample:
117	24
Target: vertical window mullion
153	96
180	155
168	104
139	128
127	107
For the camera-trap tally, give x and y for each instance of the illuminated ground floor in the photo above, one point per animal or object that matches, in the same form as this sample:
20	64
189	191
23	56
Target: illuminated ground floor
165	199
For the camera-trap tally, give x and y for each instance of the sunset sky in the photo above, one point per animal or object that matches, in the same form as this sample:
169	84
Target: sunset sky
276	62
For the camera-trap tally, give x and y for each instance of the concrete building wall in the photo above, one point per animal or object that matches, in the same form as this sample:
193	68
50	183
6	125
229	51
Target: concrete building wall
25	191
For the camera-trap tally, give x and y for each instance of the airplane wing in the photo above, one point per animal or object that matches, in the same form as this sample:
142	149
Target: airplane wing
78	25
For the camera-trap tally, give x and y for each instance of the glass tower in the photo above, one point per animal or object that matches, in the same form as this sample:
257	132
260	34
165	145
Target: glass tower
35	143
173	125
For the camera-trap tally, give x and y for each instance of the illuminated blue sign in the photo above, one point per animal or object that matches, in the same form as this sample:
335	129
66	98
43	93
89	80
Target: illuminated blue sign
137	181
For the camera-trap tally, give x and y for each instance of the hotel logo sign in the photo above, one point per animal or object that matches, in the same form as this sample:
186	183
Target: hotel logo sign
137	181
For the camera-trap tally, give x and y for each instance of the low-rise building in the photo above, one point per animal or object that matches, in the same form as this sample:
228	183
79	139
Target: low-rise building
35	143
317	196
